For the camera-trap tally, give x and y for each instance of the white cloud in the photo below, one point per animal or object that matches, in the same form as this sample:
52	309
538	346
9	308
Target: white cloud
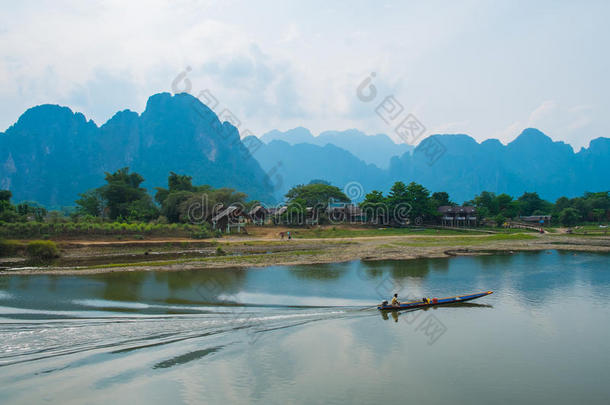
462	67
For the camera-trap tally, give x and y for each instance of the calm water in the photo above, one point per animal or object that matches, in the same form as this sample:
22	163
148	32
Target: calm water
307	334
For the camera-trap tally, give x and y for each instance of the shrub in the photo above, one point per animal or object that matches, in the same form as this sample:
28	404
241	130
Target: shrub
500	220
220	251
8	247
42	250
201	233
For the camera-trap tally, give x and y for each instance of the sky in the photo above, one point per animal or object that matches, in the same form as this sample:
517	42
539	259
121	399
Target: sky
486	68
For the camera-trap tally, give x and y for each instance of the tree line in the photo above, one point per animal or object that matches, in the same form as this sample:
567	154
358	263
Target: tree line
122	199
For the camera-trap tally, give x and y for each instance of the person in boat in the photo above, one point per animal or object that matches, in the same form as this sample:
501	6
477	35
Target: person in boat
395	302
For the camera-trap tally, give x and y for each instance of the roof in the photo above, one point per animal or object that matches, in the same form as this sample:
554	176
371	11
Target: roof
225	213
277	210
258	208
348	208
456	209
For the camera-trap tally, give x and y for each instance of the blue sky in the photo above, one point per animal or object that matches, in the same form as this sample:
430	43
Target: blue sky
485	68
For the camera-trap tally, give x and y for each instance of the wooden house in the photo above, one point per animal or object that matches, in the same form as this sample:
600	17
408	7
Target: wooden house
258	215
231	217
276	213
344	212
457	216
537	219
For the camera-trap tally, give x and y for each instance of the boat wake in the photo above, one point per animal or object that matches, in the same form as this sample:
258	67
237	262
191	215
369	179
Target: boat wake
106	326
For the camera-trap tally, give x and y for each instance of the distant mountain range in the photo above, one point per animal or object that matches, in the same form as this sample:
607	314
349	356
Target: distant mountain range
51	154
303	162
375	149
456	164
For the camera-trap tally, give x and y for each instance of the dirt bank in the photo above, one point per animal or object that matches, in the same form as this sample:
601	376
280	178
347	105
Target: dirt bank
80	257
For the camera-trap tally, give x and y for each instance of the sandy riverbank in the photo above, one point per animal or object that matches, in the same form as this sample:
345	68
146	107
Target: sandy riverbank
83	257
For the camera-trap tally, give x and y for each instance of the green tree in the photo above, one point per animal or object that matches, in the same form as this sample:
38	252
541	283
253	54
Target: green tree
441	198
569	217
7	210
409	202
121	196
398	204
180	190
6	195
202	205
486	204
419	198
499	220
180	182
531	202
316	195
375	207
599	214
30	210
91	203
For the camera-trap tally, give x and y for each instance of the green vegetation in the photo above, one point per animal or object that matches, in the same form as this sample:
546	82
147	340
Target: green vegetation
8	247
369	231
592	207
404	202
121	208
42	250
183	202
569	217
244	259
45	230
24	211
464	241
502	206
565	211
121	198
315	195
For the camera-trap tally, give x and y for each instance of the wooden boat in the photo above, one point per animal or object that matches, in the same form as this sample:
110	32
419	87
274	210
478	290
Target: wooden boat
431	302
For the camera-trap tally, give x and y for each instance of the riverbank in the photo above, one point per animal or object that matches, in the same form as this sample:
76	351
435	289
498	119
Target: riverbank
88	257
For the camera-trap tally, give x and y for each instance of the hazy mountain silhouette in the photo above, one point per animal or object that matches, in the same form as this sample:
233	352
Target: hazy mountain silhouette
532	162
459	165
375	149
303	162
51	153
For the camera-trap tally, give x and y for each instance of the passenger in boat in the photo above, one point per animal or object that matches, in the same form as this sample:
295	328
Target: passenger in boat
395	302
426	300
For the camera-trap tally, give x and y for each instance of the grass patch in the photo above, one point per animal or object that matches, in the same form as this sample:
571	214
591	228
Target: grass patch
9	248
475	240
42	250
510	230
253	259
368	231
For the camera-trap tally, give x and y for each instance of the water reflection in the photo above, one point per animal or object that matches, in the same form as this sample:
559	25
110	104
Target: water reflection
532	277
328	271
395	315
304	334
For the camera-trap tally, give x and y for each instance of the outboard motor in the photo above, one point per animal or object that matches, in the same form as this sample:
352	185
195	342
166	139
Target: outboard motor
384	303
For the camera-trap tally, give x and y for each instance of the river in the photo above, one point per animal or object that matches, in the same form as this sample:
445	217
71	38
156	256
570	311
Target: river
310	334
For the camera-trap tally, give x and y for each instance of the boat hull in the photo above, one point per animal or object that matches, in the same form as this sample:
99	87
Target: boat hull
440	301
